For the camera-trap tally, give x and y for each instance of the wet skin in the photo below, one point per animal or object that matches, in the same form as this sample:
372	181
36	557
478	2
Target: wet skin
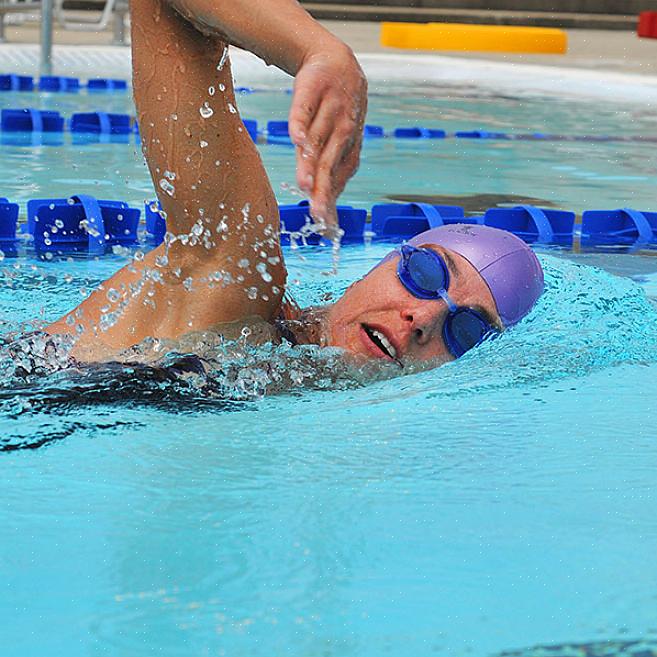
413	326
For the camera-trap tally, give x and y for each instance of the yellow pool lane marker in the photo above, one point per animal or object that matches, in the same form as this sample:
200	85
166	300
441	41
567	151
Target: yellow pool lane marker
482	38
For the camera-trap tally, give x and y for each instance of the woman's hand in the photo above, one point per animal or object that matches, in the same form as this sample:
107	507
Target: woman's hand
326	124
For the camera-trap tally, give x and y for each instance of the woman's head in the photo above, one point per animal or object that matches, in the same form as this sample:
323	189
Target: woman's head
490	272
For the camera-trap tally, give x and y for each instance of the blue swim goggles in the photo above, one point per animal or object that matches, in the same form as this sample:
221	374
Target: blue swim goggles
424	273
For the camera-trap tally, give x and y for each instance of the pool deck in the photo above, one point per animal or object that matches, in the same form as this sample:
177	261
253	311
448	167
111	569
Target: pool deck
602	50
599	50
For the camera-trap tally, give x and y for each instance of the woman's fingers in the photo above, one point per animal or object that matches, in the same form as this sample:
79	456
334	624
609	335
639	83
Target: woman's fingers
326	124
305	102
332	173
309	154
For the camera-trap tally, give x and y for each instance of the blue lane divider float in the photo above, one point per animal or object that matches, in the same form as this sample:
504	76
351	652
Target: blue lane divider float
419	133
81	222
251	127
295	220
8	224
101	123
373	131
278	133
59	83
624	227
534	225
31	120
398	220
16	83
480	134
106	84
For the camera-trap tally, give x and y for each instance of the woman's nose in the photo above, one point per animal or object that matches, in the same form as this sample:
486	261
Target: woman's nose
426	319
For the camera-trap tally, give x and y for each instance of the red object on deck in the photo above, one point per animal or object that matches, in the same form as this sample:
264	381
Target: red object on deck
648	24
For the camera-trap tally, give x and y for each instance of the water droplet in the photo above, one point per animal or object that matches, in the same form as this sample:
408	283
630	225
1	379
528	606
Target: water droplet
243	263
252	293
170	175
166	186
70	201
113	295
205	110
204	144
261	268
59	223
139	256
222	87
211	91
187	283
52	206
231	108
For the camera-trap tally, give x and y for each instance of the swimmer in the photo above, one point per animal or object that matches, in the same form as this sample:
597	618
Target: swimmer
221	266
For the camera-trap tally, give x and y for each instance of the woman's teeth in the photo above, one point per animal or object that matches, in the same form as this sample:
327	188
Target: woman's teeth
385	343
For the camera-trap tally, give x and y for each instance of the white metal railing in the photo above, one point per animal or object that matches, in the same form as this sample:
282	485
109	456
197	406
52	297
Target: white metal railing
51	9
46	37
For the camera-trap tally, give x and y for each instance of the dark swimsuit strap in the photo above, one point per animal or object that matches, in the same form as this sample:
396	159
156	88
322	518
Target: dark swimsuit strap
285	331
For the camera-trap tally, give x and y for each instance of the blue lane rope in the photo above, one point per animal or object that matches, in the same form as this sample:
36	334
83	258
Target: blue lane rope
84	224
13	82
59	84
276	132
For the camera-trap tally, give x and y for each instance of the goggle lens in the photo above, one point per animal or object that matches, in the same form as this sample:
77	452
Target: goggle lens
427	271
464	330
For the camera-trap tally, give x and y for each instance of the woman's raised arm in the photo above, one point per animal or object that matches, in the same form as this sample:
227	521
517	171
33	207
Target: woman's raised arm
222	261
330	90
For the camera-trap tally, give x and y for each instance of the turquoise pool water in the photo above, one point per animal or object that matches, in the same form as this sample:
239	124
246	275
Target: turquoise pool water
500	503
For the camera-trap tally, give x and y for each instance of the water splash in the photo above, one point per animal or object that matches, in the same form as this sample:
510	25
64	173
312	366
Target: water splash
223	60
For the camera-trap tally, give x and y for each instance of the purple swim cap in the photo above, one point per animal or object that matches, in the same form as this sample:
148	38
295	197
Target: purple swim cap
507	265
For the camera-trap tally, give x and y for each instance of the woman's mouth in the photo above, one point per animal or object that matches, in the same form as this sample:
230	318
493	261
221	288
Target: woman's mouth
379	341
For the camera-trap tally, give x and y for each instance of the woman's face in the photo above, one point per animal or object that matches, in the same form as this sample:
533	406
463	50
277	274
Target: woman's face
411	326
